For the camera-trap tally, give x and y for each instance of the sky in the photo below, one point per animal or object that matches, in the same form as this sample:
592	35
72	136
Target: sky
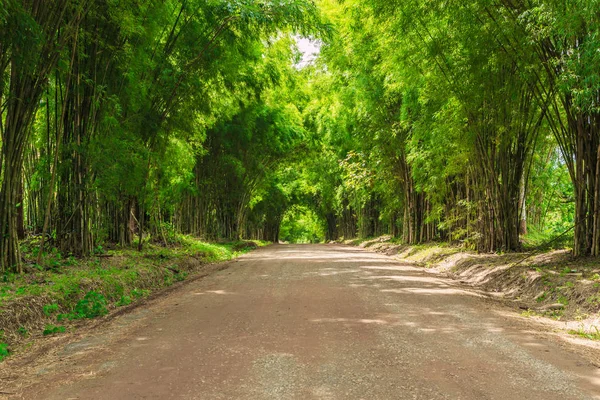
310	50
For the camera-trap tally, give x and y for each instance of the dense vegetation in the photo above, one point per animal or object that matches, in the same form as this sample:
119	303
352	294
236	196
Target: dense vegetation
128	121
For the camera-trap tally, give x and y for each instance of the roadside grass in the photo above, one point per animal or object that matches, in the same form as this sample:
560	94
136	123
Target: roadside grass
545	241
586	334
50	298
548	283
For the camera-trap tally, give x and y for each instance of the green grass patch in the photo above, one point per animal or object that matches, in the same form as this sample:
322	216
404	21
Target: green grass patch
4	351
547	240
51	329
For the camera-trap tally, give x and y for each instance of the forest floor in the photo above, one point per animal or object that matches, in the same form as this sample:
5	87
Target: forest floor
314	322
62	295
550	284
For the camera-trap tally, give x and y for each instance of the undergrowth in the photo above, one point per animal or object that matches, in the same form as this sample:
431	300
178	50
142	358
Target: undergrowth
64	289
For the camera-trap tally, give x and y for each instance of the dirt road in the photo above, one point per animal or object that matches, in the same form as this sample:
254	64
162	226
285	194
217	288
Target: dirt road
319	322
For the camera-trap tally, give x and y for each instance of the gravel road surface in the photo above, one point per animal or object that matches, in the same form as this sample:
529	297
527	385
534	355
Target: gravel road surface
319	322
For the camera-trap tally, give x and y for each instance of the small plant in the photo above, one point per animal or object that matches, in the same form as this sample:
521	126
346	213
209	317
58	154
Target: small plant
580	316
91	306
587	334
541	297
569	285
563	300
98	250
22	331
70	261
528	313
50	309
139	293
594	299
53	330
4	352
124	301
554	314
180	276
8	277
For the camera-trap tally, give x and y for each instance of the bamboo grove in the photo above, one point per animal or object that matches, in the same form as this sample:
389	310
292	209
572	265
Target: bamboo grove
124	121
469	122
116	116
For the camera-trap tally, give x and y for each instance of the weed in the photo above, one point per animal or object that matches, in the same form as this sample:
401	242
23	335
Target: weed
4	352
50	309
139	293
563	300
541	297
554	314
594	299
99	250
580	316
53	329
22	331
569	285
124	301
180	276
528	313
587	334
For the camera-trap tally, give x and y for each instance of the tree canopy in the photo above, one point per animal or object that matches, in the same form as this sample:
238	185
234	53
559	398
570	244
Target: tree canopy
475	122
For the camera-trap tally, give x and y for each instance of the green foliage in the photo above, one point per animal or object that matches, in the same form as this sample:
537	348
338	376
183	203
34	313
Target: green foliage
157	92
140	293
587	334
50	309
301	225
93	305
457	122
4	352
93	286
124	301
53	330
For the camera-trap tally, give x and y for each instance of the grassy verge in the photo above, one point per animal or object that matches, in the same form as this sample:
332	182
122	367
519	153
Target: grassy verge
51	298
550	284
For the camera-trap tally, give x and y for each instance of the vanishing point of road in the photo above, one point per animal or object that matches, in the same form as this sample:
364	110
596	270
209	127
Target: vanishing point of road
319	322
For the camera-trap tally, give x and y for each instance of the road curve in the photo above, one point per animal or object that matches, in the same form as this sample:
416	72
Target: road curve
325	322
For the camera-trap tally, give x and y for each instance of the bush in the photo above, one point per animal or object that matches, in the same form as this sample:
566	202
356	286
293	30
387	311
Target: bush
91	306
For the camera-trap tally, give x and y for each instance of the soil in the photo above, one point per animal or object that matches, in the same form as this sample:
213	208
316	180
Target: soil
551	284
314	322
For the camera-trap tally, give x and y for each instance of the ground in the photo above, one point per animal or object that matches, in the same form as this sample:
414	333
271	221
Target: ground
313	322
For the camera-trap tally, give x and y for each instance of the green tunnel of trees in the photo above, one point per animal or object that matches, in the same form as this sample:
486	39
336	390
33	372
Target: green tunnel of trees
475	122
